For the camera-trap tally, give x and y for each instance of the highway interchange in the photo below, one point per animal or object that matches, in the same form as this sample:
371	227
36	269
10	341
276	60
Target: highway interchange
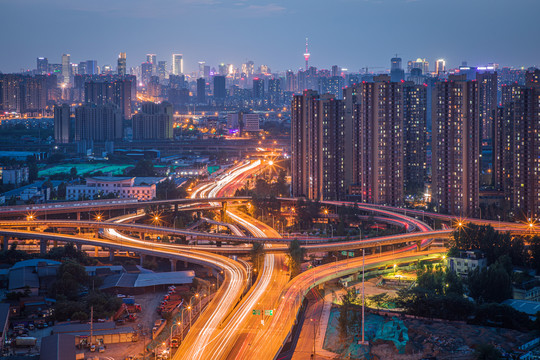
227	328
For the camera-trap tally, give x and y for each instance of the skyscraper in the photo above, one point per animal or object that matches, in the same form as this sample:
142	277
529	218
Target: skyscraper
440	67
162	70
91	67
258	88
219	87
201	91
104	92
62	114
421	64
146	72
122	64
307	55
66	69
456	146
177	64
42	65
151	58
396	72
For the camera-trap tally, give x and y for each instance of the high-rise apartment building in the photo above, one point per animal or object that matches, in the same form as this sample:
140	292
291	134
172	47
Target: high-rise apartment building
146	72
317	146
66	69
396	72
487	102
177	64
151	58
117	92
518	150
415	137
377	159
11	92
122	64
440	67
258	88
98	123
456	146
154	122
62	118
162	70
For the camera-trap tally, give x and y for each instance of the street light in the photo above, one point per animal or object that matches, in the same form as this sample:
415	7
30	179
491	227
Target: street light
171	334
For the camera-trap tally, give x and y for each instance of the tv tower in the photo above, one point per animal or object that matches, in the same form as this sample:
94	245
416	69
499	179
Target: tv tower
306	55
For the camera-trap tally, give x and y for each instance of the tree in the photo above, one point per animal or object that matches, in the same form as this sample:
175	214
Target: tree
491	284
378	300
296	256
73	172
167	189
344	320
32	168
534	248
487	352
143	168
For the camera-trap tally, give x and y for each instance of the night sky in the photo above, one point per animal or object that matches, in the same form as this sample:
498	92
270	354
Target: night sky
350	33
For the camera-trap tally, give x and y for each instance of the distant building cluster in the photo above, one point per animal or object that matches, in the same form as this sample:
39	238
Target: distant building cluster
371	143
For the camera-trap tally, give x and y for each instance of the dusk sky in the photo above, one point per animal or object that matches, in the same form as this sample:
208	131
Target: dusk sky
349	33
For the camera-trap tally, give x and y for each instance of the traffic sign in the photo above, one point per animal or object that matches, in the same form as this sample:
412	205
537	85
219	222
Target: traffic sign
344	253
256	312
351	254
268	312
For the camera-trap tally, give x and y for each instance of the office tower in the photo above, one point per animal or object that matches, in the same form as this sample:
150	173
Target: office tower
122	64
162	70
177	64
258	88
274	86
378	141
33	94
222	69
202	65
219	87
519	149
151	58
177	81
117	93
146	72
415	137
487	102
62	114
396	72
201	91
421	64
336	70
91	67
81	68
317	146
11	92
98	123
456	146
440	67
42	65
66	69
154	122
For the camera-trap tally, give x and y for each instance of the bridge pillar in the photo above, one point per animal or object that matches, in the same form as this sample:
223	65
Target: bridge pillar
5	242
96	251
111	255
223	210
418	245
185	264
79	247
55	243
141	259
141	235
218	243
175	208
43	246
173	264
96	233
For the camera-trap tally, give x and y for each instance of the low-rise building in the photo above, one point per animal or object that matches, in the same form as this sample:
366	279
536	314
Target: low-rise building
465	262
16	176
122	187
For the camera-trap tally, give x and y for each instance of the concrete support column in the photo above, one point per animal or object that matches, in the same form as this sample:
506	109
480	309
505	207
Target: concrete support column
79	247
175	208
141	235
96	251
111	255
418	246
5	242
142	258
173	264
185	264
43	246
79	216
55	243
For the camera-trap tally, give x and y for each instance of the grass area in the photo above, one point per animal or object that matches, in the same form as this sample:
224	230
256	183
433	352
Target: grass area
84	168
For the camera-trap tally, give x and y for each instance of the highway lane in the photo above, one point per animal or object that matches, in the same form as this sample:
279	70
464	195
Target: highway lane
269	342
271	280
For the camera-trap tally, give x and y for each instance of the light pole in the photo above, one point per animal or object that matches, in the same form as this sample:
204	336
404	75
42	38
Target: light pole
194	296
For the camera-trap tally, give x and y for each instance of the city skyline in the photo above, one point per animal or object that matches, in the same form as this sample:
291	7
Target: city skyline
277	32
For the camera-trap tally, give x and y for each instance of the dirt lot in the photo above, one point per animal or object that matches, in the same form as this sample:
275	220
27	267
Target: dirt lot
449	340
